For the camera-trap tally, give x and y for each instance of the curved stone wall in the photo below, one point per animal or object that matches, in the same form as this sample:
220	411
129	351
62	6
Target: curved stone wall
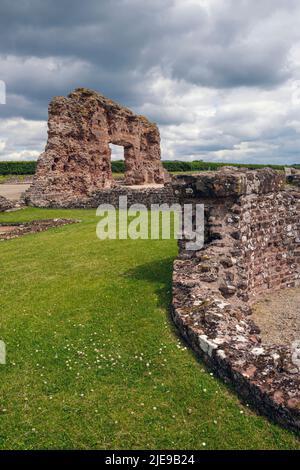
252	246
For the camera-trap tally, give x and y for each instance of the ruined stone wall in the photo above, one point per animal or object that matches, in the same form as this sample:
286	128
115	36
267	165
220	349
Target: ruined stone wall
269	228
76	161
252	246
294	177
5	204
256	216
144	195
9	231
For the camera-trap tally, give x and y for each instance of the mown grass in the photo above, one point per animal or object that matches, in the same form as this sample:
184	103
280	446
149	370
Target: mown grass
93	360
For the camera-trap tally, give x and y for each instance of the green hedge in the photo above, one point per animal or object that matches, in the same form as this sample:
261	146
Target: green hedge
118	166
177	166
17	168
28	168
197	165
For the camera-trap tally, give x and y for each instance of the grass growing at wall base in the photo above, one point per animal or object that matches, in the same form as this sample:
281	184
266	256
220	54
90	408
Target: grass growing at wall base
93	360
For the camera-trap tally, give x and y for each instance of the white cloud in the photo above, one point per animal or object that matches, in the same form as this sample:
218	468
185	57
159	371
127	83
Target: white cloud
238	123
21	139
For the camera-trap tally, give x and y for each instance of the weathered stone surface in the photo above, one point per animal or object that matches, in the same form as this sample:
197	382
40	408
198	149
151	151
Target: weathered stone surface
15	230
230	181
5	204
257	250
76	162
293	176
144	195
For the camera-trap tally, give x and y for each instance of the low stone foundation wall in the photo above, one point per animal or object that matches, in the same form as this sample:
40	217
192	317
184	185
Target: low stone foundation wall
15	230
5	204
145	196
252	246
141	195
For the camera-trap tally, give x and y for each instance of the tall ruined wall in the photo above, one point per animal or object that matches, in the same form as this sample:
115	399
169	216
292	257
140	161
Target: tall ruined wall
77	159
252	246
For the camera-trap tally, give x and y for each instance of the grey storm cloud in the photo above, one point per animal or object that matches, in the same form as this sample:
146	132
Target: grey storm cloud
118	41
152	55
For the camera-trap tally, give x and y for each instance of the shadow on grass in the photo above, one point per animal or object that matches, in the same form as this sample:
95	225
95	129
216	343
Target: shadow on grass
159	273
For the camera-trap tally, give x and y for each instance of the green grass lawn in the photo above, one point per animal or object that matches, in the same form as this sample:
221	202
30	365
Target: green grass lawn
93	361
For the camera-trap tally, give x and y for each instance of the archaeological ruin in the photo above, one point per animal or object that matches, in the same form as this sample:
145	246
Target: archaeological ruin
8	231
252	247
5	204
252	239
76	163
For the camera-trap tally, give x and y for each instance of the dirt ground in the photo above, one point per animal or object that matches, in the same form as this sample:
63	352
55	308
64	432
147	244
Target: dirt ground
6	229
278	317
13	191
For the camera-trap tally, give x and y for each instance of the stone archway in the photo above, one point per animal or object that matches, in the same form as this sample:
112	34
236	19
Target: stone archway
77	159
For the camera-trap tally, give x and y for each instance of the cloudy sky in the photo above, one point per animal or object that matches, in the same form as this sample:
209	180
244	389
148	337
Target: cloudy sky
220	77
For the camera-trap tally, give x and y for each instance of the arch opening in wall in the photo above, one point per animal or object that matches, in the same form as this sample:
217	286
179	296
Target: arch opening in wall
117	152
122	149
117	156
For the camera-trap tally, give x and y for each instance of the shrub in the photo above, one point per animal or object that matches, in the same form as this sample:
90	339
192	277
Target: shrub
17	168
118	166
198	165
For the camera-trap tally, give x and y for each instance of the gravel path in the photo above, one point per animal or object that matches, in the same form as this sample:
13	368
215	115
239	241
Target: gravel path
13	191
278	317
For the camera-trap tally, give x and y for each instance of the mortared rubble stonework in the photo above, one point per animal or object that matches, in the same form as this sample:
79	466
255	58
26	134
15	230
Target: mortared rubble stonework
77	159
5	204
252	247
